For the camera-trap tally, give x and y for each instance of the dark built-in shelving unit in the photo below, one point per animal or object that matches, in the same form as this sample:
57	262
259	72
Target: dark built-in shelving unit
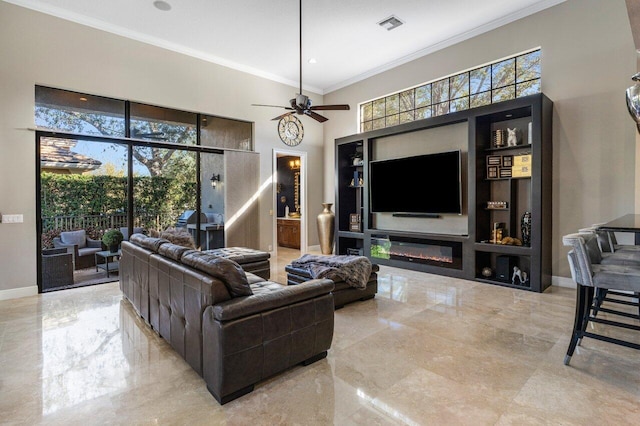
463	256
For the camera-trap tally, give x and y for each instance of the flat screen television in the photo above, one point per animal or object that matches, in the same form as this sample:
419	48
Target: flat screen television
421	184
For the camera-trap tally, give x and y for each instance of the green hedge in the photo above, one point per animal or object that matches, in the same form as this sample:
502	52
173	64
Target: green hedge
88	195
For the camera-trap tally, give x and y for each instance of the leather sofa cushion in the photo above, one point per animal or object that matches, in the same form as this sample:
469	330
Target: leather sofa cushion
241	255
149	243
172	251
78	238
264	287
270	295
253	278
227	271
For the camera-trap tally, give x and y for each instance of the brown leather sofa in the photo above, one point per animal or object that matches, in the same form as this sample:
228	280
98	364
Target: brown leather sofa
233	331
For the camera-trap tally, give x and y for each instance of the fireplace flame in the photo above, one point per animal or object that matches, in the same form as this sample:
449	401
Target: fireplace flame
442	259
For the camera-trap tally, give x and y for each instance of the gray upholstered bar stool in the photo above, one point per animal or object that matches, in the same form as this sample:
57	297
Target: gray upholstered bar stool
621	257
584	261
609	243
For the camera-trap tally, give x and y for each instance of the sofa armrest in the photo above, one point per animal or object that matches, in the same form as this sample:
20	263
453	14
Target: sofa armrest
249	305
94	243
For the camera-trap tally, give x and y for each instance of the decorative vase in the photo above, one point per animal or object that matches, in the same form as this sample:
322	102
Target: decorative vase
525	228
326	227
113	248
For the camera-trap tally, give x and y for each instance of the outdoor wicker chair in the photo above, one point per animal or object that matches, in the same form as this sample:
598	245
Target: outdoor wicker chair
80	246
57	268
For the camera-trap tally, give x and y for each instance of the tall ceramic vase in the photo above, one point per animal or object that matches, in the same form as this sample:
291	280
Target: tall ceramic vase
326	227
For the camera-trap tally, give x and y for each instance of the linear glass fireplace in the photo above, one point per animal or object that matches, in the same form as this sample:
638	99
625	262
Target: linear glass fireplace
446	254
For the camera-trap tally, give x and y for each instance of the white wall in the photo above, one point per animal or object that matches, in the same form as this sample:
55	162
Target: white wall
40	49
588	57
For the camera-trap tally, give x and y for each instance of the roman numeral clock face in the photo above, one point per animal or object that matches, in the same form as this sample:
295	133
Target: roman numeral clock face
290	130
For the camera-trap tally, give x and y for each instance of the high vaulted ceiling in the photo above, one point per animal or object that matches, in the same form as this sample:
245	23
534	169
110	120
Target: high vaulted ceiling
261	36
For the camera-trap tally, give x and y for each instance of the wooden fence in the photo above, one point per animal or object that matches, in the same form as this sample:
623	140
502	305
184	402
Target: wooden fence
68	223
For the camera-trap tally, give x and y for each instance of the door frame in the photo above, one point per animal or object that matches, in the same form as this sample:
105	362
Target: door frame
303	197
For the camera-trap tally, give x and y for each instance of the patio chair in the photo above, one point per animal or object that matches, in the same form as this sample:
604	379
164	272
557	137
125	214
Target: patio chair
125	232
80	246
57	268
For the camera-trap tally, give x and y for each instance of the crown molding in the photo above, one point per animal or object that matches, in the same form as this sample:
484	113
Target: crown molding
155	41
178	48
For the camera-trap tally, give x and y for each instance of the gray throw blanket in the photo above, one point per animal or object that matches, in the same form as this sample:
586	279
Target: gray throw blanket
354	270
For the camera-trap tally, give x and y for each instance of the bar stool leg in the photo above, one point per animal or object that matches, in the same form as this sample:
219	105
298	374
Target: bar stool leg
579	324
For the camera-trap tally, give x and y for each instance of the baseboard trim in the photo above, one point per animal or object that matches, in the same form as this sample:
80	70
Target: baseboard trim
16	293
563	282
313	248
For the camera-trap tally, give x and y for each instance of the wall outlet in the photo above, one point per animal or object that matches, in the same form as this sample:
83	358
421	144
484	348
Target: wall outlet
270	212
270	248
12	218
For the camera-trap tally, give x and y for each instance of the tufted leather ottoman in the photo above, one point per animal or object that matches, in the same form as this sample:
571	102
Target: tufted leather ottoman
343	293
251	260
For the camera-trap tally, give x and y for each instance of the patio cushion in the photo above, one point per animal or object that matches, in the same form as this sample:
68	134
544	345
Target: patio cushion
125	232
86	251
74	237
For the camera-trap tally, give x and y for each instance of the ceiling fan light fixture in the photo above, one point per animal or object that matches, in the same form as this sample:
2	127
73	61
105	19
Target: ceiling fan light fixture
390	23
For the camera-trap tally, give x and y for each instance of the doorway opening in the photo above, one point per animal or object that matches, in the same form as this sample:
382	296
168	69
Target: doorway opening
289	203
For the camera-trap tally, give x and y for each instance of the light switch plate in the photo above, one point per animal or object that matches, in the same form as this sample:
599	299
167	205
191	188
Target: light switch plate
12	218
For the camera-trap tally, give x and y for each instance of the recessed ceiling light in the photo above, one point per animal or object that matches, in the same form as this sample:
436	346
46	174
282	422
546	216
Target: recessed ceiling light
390	23
162	5
83	99
312	61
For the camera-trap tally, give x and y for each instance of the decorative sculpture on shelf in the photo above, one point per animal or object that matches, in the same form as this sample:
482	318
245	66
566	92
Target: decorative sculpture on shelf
487	272
498	138
521	275
512	138
525	228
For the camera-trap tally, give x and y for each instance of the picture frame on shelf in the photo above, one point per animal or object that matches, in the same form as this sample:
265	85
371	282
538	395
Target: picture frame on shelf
505	172
492	172
494	160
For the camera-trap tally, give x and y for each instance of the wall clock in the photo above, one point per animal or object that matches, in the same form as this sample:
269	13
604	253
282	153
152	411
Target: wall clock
290	130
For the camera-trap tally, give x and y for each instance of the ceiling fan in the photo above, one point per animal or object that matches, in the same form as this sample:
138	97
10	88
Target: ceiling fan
301	104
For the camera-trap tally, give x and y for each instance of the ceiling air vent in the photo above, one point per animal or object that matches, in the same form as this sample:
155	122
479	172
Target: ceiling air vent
390	23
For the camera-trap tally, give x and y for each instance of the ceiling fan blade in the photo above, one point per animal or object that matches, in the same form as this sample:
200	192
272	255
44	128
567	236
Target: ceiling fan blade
341	107
273	106
282	116
315	116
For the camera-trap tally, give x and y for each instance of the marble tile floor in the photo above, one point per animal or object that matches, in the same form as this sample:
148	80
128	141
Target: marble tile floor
427	350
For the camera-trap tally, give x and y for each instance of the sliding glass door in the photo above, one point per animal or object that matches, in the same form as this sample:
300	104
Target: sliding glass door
107	164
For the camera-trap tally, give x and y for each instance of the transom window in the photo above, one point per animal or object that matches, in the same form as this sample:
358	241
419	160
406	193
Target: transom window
506	79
